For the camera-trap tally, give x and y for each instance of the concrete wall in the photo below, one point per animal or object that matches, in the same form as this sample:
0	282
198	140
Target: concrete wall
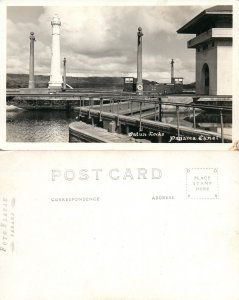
162	88
219	61
224	70
208	56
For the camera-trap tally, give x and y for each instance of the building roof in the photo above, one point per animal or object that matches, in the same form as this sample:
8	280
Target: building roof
207	18
219	9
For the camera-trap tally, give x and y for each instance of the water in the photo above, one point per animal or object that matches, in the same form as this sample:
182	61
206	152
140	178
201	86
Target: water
52	126
38	126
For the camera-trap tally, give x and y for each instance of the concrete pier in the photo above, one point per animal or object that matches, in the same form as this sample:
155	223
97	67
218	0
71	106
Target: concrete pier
31	84
85	133
55	77
139	85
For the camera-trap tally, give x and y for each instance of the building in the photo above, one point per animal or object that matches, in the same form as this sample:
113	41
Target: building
160	88
129	84
213	44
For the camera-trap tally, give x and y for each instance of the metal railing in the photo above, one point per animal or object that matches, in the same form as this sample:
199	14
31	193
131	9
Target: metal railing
157	105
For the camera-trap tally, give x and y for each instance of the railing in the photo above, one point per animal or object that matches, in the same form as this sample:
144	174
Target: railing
158	110
194	106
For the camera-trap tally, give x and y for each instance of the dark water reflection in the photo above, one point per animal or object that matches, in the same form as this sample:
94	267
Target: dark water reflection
38	126
211	121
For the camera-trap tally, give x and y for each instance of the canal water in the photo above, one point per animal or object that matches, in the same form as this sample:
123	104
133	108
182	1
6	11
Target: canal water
38	126
52	126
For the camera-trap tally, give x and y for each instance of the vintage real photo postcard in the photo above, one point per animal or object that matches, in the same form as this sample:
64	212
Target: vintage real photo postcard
148	225
146	75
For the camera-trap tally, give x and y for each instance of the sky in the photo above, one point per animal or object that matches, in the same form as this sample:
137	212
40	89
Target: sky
102	41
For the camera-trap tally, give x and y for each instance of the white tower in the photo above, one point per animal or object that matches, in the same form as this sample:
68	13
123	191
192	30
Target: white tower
55	77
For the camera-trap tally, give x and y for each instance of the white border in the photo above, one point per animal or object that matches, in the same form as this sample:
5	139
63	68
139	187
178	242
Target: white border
116	146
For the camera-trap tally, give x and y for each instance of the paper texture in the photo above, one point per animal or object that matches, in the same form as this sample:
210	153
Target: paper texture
119	225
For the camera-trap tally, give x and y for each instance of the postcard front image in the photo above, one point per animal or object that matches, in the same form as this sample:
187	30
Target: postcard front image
119	75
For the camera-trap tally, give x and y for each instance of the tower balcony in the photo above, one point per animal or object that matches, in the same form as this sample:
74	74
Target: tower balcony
210	34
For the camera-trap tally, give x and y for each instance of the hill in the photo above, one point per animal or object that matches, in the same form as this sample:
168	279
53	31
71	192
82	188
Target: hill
190	86
41	81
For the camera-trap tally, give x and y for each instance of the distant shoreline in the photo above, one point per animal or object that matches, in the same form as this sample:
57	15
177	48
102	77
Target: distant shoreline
12	108
97	82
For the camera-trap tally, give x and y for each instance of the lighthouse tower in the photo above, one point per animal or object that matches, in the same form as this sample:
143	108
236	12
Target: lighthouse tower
55	76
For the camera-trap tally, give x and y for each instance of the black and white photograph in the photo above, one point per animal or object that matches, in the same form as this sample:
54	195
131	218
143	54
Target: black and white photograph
119	74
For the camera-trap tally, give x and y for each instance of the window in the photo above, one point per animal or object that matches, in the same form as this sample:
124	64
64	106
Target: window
129	80
205	46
